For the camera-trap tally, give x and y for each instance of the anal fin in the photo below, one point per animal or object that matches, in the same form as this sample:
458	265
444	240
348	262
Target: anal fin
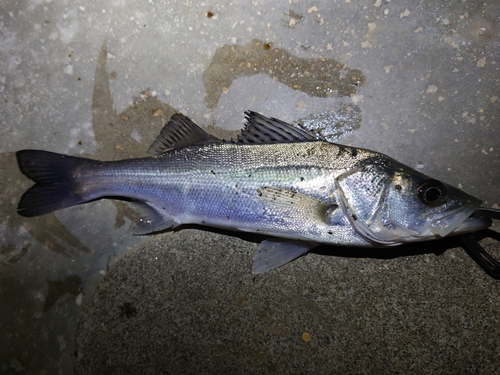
151	220
274	253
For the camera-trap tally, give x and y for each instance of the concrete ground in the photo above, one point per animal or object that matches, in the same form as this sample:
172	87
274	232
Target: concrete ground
79	293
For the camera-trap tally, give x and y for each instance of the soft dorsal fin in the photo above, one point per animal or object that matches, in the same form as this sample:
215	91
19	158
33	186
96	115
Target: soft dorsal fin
180	131
262	129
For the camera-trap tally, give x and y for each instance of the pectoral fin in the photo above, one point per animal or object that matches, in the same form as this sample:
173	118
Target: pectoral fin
289	199
274	253
293	207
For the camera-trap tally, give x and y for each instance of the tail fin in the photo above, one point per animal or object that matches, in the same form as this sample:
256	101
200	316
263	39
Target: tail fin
55	186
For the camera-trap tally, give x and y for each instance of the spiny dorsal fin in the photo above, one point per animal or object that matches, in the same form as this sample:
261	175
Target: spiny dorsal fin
262	129
180	131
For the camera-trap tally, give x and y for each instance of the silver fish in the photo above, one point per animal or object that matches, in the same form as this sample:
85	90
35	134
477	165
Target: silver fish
274	179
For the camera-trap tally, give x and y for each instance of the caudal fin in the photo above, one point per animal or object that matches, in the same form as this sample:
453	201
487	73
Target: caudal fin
56	185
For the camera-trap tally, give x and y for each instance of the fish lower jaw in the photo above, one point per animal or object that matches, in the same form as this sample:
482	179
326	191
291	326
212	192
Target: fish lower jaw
458	223
471	225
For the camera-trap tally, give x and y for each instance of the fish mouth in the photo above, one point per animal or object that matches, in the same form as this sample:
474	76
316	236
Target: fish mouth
458	221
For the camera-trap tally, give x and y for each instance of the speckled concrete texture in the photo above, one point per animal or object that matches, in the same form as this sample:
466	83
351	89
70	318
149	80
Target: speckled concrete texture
419	81
170	307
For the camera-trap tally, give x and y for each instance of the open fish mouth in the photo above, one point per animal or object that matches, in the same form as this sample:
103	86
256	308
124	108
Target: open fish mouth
461	220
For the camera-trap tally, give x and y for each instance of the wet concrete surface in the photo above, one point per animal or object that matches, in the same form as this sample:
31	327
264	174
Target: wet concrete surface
80	293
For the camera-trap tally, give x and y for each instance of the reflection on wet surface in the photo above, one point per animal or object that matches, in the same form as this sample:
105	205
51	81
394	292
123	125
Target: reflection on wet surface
57	289
128	134
318	77
334	124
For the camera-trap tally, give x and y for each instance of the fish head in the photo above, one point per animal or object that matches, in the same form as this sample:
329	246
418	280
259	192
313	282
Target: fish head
390	204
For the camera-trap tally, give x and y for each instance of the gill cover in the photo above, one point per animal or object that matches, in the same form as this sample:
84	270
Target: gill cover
390	204
362	192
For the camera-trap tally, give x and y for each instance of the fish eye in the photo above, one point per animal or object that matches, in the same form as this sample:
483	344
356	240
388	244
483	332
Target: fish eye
431	192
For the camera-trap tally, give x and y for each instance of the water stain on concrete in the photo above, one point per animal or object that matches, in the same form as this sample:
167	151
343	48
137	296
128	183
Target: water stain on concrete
57	289
126	134
12	254
129	134
118	136
319	77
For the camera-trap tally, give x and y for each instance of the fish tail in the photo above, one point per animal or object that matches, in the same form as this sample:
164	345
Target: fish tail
56	182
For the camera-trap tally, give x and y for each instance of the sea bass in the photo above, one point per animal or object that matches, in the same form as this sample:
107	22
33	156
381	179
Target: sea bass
275	179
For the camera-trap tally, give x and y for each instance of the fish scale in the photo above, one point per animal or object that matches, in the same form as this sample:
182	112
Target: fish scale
274	179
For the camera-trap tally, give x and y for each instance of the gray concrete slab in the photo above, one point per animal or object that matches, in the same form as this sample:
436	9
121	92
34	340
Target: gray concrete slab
186	302
100	79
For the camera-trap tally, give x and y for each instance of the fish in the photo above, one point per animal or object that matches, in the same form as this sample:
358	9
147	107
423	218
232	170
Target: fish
278	180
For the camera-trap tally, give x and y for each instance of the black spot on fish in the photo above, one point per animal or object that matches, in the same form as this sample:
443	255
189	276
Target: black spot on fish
212	171
354	152
398	187
302	179
330	232
354	217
